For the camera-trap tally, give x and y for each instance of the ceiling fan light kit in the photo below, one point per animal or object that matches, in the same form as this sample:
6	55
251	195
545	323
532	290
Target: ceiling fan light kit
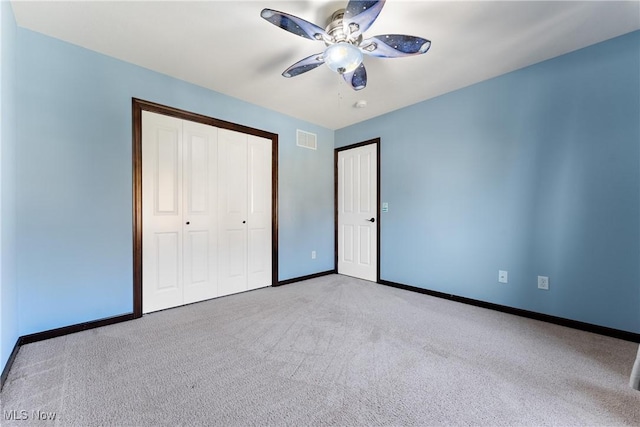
342	57
344	40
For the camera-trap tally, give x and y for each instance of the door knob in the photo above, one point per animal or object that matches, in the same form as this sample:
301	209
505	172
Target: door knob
372	220
244	222
187	222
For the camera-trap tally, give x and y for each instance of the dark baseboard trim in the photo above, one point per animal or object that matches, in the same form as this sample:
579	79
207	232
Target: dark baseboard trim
66	330
300	279
58	332
588	327
12	357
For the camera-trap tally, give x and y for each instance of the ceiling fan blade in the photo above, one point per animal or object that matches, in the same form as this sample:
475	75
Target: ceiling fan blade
293	24
357	78
307	64
394	45
359	15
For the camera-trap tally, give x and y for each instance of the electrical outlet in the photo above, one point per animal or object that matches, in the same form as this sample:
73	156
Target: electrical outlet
503	276
543	283
313	254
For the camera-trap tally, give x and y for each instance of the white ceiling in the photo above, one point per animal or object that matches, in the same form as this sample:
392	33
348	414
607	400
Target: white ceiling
226	46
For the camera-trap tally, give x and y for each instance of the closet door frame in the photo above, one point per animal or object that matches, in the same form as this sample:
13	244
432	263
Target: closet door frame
138	106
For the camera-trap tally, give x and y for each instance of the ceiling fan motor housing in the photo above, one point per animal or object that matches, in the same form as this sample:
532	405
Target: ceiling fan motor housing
337	33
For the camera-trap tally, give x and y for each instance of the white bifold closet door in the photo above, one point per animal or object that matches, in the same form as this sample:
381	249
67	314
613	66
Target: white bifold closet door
199	187
244	172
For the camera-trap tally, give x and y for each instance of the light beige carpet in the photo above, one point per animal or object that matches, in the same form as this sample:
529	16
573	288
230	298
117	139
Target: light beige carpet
634	381
330	351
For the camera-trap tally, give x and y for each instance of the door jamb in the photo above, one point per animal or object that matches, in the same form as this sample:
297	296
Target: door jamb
138	106
335	198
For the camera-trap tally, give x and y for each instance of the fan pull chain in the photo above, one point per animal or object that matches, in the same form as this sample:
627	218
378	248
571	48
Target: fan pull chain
340	84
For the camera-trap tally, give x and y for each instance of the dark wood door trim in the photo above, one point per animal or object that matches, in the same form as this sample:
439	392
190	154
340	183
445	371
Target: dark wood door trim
138	106
335	199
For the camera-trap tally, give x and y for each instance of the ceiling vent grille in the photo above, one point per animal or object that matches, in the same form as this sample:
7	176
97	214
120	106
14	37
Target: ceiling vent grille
306	140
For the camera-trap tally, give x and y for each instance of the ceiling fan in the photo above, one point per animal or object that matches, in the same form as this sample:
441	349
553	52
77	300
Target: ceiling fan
345	42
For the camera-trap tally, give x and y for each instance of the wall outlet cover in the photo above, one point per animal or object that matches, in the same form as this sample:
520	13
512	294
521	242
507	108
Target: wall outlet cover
543	282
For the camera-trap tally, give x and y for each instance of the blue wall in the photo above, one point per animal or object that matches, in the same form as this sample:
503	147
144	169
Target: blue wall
8	288
73	161
536	172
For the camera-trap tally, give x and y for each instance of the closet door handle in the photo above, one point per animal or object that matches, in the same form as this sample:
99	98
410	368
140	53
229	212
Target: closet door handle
244	222
372	220
187	222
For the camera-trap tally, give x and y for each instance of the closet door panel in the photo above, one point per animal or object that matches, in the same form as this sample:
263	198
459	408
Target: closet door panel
200	213
167	269
259	212
232	212
162	212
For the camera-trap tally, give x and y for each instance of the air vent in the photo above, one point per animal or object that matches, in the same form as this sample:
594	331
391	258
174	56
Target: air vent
306	140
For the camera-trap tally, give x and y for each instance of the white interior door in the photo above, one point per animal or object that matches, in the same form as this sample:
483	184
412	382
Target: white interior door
200	160
232	209
179	192
259	213
357	212
244	212
162	282
206	212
